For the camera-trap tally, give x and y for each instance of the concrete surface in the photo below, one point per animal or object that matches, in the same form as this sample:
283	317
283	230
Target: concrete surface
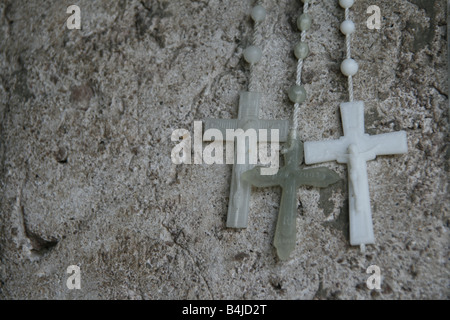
87	178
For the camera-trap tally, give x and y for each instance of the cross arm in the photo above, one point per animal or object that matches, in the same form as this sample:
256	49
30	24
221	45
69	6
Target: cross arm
255	178
281	125
323	151
317	177
222	125
387	143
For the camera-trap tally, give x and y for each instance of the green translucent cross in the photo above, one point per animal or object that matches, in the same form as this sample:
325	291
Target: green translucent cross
290	178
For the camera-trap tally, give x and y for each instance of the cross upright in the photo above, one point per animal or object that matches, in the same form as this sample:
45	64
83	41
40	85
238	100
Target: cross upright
248	118
355	148
290	178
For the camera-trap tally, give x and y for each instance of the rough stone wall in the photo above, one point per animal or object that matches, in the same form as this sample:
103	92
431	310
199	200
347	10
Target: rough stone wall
87	179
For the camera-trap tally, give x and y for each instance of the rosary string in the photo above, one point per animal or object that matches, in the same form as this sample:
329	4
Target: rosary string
297	93
349	67
298	81
258	14
303	38
349	55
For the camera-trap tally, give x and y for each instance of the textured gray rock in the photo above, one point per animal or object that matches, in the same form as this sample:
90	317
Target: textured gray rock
86	175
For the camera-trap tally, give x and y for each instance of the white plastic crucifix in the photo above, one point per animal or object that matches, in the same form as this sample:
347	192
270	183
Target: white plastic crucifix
355	148
248	118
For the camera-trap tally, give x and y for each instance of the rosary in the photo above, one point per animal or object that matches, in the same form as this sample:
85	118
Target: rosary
354	148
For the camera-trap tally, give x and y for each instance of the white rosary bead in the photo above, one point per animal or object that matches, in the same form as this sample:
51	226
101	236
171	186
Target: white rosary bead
252	54
347	27
346	3
349	67
258	13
